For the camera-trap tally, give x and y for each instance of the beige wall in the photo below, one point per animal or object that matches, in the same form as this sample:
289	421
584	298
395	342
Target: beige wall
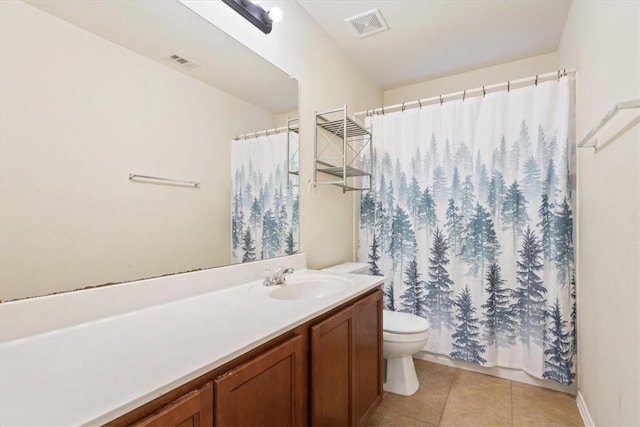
602	39
78	114
473	79
327	80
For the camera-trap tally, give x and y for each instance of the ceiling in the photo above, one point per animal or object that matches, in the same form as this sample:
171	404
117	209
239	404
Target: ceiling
156	28
431	38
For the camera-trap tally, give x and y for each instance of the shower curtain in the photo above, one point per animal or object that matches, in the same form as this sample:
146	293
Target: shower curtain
470	217
265	210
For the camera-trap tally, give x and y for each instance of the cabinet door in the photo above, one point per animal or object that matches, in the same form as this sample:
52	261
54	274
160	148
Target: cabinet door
265	391
367	370
331	370
193	410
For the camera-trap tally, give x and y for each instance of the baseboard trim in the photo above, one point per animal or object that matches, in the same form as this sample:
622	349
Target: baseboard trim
496	371
584	412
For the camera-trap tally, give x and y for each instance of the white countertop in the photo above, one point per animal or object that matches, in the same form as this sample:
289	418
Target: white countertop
93	372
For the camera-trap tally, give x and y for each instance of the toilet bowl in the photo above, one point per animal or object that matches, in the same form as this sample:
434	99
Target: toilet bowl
403	335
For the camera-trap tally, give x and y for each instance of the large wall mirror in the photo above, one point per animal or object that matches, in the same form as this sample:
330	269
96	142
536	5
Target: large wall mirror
91	94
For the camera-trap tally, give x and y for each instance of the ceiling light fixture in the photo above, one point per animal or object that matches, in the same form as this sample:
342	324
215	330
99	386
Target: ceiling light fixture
254	13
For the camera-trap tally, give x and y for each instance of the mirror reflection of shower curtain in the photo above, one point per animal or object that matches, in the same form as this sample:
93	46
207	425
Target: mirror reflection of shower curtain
265	210
471	220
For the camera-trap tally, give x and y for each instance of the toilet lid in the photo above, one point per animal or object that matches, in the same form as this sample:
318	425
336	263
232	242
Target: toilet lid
403	323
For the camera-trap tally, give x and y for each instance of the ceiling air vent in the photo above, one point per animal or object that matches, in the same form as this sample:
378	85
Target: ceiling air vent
182	62
368	23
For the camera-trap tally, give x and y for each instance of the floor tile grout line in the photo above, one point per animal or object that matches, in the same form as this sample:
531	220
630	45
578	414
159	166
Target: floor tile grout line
444	408
418	419
511	395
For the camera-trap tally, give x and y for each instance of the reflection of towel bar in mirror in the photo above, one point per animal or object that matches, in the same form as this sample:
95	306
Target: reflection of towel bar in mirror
589	140
166	181
267	132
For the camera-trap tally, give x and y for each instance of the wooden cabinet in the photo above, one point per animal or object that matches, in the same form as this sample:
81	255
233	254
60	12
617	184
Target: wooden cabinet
193	410
332	370
325	372
346	364
265	391
367	371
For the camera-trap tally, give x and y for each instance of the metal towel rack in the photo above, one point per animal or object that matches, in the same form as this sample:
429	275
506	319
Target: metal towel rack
166	181
588	140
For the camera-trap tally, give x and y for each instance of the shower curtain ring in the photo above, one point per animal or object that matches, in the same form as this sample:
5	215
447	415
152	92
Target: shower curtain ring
483	92
508	86
536	82
420	103
464	95
440	99
558	75
383	111
403	107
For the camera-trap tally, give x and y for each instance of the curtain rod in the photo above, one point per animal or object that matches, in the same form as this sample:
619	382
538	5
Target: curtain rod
508	85
268	132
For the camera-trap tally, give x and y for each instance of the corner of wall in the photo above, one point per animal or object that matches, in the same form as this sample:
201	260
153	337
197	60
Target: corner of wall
602	40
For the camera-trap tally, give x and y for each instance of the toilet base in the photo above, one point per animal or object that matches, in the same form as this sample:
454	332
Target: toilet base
401	376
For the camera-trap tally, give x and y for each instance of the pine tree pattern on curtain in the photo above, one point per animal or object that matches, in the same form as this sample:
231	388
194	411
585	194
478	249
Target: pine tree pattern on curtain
265	210
470	217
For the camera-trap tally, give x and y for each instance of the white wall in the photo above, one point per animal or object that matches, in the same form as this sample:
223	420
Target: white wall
473	79
602	39
78	114
327	79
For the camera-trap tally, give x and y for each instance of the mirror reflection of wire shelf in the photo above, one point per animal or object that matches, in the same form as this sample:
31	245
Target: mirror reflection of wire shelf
343	149
293	152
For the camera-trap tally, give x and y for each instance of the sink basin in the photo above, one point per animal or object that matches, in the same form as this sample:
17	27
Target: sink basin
308	287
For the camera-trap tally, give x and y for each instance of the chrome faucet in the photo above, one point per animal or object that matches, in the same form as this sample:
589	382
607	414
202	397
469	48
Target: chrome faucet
277	277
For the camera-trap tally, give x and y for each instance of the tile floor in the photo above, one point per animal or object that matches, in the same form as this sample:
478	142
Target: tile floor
455	397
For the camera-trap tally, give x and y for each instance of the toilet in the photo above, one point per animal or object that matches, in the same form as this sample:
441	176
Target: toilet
403	336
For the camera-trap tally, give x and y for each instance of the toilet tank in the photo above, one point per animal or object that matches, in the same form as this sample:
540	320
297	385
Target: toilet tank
350	267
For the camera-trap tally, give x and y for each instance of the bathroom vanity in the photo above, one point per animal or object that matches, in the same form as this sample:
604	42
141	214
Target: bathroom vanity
325	372
223	352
